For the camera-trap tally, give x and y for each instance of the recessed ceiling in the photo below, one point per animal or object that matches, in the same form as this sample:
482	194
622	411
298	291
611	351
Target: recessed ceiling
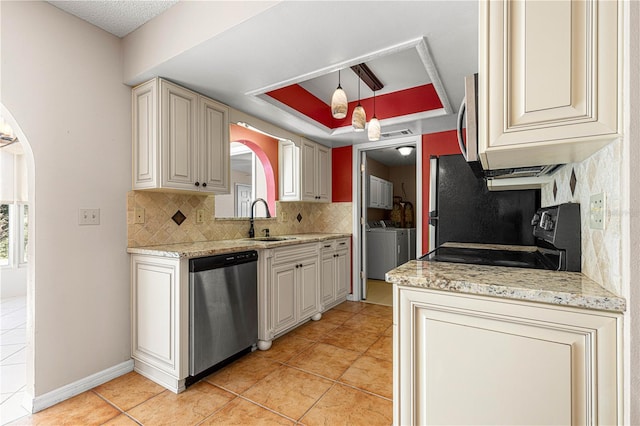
118	17
411	88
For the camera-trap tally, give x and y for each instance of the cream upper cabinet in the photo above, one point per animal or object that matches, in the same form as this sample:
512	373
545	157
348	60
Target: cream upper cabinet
305	171
180	139
549	80
464	359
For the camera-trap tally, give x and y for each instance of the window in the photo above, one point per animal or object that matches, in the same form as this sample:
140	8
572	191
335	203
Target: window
14	235
4	234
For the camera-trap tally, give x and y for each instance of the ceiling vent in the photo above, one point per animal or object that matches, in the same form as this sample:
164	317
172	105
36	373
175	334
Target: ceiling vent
397	133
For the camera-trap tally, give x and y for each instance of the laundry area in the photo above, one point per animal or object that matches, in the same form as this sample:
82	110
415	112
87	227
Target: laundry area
391	223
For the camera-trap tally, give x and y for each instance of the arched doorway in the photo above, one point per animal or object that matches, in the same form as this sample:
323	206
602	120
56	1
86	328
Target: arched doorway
17	207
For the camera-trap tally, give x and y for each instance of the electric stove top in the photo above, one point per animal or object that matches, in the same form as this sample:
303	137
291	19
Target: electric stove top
557	233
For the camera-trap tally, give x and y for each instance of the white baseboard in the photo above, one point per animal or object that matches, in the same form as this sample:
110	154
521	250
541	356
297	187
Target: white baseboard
41	402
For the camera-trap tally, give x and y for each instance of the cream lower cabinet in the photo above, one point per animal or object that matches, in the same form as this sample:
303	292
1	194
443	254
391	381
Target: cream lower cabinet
334	272
159	324
550	80
462	359
288	292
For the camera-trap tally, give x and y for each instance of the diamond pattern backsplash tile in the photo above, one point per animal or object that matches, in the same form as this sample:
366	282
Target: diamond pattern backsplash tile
159	227
601	249
178	218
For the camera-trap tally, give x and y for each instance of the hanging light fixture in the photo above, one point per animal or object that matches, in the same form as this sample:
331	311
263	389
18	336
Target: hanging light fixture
339	104
359	117
374	124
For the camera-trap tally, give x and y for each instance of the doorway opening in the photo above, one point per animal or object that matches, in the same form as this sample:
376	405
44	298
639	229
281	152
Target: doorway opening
16	268
387	219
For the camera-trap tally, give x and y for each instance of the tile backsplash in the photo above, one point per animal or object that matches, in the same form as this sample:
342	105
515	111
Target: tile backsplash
159	228
601	249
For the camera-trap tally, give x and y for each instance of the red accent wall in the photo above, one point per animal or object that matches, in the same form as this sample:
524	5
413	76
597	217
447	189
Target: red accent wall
402	102
434	144
341	174
267	144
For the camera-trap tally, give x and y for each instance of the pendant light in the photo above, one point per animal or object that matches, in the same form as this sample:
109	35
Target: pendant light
374	124
339	104
359	117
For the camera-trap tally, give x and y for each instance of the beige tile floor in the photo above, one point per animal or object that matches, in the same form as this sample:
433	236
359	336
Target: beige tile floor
335	371
379	292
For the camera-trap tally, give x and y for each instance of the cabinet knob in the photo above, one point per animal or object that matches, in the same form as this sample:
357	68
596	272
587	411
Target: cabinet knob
197	184
204	184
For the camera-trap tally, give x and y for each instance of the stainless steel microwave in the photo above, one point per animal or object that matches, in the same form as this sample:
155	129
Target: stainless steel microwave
497	179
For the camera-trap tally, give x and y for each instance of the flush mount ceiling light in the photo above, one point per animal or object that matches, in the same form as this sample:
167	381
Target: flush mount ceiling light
374	124
405	150
339	102
359	117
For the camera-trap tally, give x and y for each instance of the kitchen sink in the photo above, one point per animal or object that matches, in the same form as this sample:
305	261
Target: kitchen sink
272	238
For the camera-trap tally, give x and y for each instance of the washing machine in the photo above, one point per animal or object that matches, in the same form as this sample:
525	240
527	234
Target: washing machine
387	248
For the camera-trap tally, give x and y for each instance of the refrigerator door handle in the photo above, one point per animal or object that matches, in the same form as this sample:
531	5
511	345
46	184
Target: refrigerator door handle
461	113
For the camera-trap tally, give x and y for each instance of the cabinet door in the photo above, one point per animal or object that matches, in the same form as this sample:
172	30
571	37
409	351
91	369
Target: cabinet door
289	157
323	173
343	277
307	287
145	154
283	296
155	323
474	360
179	136
387	195
214	146
374	192
549	81
308	171
327	276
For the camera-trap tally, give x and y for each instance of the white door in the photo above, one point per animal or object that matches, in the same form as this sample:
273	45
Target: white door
243	200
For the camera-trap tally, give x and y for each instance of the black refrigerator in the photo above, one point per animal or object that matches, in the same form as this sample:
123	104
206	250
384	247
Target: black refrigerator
466	211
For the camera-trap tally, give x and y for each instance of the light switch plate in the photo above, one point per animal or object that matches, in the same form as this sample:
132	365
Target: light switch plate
89	217
200	216
597	211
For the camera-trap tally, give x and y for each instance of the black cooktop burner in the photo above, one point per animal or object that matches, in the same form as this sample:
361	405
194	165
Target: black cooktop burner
479	256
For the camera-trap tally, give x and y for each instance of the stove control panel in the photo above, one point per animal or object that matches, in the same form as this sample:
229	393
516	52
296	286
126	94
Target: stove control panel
559	226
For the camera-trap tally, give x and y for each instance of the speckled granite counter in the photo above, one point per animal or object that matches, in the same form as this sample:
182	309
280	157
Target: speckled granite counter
208	248
558	288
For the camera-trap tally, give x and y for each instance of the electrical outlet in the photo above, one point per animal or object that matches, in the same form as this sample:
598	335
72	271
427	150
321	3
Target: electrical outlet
596	211
89	217
200	216
139	213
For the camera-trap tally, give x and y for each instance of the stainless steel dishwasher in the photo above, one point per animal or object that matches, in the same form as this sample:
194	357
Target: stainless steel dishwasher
223	310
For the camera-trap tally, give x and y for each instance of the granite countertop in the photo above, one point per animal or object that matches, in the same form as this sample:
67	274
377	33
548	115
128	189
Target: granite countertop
535	285
208	248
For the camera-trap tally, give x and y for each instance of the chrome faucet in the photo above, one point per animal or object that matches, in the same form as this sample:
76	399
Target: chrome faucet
252	232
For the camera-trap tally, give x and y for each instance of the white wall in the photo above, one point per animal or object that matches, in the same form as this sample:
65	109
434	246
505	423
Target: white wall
62	82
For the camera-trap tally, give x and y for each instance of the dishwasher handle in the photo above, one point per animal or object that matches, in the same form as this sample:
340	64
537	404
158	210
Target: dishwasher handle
222	260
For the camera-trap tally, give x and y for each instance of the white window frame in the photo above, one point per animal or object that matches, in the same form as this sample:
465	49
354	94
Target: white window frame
16	236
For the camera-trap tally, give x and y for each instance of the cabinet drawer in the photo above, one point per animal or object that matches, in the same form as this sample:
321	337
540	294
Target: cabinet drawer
295	252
